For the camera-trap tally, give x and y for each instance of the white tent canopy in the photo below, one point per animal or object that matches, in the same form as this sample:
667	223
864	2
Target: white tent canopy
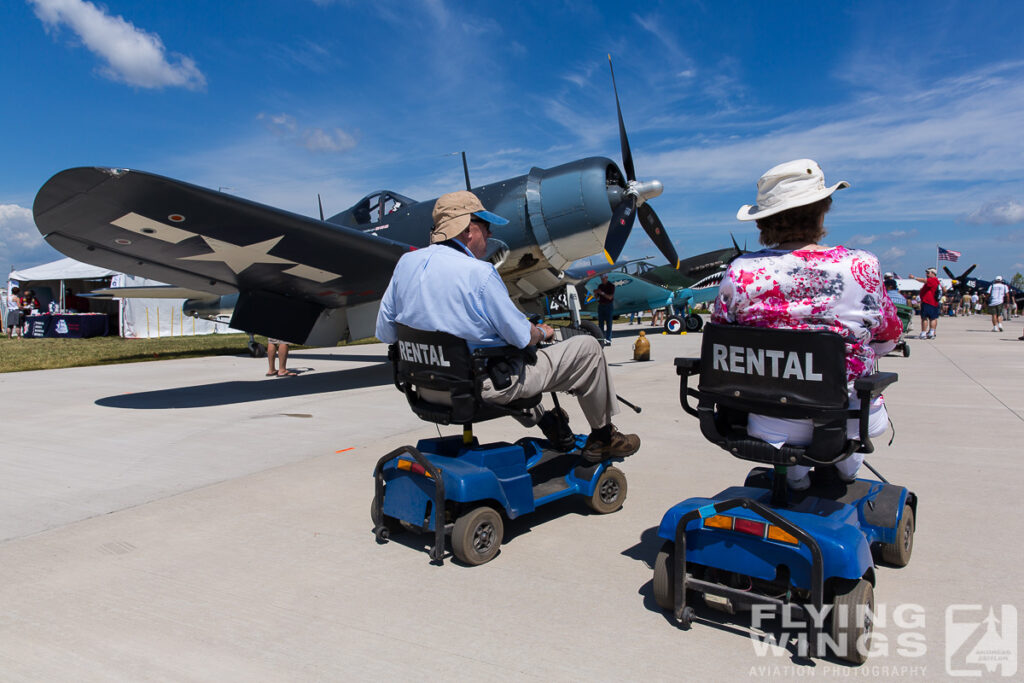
135	317
64	269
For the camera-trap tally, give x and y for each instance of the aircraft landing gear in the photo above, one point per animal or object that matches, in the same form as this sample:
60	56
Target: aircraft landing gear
256	350
675	324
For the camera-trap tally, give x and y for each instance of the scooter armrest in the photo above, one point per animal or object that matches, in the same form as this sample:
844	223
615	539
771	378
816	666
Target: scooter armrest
872	385
687	366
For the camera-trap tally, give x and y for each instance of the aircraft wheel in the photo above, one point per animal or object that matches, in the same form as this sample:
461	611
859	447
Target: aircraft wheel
477	535
610	492
850	620
694	323
390	524
257	350
673	324
664	587
898	553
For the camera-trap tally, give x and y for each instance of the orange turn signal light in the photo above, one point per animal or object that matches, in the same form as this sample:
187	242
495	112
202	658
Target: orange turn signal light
754	528
777	534
719	522
414	467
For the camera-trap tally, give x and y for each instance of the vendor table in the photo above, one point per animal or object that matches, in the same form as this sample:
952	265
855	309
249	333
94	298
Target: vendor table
67	325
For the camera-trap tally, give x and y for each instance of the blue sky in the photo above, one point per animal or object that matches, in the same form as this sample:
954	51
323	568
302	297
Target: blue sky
919	105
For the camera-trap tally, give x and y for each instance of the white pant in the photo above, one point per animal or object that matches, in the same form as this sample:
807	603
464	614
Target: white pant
778	431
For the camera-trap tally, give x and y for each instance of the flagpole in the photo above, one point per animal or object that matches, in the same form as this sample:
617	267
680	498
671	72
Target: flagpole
936	260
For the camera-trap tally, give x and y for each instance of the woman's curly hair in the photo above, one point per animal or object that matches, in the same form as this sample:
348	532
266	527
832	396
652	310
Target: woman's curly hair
796	224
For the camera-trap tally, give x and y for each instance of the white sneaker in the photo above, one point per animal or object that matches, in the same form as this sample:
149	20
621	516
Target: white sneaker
923	335
931	335
995	328
1000	327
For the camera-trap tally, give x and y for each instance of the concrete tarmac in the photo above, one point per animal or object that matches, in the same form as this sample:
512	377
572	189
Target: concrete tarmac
191	520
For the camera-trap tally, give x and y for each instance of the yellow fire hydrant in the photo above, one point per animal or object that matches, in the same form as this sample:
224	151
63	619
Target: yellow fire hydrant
642	348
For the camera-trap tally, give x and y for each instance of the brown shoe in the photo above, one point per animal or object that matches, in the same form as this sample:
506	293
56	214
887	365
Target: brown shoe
619	445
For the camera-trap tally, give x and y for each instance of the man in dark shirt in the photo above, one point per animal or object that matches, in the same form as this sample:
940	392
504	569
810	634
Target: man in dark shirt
605	294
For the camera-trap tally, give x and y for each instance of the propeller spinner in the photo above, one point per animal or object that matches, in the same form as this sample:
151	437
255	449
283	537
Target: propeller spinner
633	202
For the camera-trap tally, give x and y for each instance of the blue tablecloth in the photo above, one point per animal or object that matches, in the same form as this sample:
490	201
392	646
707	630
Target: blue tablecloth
67	325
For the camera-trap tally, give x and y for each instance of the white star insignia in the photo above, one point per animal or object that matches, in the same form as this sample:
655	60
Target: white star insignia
237	257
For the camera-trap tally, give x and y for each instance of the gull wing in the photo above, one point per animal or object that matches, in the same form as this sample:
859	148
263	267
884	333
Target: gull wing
193	237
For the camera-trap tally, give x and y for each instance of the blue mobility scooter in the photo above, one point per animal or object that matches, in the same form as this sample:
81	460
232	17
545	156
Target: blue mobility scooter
807	553
456	486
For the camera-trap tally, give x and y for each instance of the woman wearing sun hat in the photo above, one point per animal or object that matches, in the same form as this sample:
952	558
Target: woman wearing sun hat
797	283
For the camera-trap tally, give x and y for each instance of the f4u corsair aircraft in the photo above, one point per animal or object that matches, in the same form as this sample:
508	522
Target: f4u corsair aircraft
320	281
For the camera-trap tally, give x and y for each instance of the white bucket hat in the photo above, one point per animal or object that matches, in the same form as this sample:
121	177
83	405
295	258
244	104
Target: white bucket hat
787	186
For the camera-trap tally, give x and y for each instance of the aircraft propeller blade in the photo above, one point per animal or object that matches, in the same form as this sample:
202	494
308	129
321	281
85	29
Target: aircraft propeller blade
619	228
968	272
949	272
656	231
321	205
627	155
634	199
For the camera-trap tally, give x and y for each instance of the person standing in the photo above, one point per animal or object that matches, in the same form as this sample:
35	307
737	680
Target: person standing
605	294
278	350
13	317
997	292
931	294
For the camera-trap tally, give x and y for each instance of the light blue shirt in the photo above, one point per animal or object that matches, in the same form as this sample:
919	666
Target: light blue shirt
449	290
896	297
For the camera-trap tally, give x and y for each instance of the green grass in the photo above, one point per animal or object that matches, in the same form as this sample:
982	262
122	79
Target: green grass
17	355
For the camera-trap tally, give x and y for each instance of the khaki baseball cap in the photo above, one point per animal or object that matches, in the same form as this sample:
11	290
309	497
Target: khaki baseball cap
453	212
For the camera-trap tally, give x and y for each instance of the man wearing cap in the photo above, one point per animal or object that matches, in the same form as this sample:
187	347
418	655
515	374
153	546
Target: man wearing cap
446	287
997	292
892	289
931	296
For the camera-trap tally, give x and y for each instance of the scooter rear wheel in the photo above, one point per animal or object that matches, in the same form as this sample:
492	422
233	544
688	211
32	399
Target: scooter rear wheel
850	620
898	553
664	587
477	535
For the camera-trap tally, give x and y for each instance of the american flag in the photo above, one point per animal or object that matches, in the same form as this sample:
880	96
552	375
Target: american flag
948	254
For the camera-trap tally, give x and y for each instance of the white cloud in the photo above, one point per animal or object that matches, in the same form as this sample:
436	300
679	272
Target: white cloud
861	240
131	55
312	138
21	245
17	229
320	140
1000	212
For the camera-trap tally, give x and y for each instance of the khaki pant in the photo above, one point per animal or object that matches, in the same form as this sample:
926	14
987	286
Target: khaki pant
576	365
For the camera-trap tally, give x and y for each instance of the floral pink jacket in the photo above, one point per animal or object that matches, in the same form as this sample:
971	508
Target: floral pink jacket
838	289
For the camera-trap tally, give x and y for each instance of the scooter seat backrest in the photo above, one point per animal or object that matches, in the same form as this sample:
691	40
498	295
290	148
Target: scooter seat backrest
432	357
783	373
441	378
